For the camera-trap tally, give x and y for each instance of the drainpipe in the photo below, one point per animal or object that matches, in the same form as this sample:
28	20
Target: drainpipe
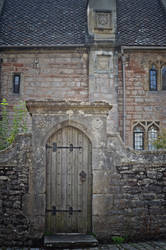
124	96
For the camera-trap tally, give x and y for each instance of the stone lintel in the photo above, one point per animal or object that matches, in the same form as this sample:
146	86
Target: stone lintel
55	107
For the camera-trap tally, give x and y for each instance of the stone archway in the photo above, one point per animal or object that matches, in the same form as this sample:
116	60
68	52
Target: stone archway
48	117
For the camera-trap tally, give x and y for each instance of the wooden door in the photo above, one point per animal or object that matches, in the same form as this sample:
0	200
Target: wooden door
69	182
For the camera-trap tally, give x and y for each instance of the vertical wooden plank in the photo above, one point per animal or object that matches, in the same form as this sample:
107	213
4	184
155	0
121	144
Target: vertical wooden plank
69	180
89	190
57	198
64	177
80	187
48	181
75	180
85	183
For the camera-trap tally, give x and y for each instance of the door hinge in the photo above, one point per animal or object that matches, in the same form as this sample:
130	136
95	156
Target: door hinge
70	210
55	147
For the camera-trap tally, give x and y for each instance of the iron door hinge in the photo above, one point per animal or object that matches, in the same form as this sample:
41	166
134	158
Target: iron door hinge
55	147
70	210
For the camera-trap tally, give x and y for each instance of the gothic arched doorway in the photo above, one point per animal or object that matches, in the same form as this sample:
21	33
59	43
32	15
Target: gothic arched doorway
69	182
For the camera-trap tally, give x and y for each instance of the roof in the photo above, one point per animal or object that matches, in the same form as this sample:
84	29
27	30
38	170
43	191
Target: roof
43	23
141	22
64	23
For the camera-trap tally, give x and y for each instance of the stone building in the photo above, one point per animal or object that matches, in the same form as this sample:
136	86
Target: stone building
93	75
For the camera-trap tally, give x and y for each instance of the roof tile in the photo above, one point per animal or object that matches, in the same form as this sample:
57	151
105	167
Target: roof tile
43	22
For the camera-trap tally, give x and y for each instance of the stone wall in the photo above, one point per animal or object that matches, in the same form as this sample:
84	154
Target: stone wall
15	164
45	74
130	193
141	104
103	81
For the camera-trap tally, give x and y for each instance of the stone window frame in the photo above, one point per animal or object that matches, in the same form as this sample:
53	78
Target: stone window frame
158	66
142	133
154	136
162	66
16	74
10	84
153	68
146	125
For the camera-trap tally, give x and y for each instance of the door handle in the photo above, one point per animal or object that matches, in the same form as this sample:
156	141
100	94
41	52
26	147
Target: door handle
82	176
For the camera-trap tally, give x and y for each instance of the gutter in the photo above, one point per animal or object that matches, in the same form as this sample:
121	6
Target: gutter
43	46
143	48
124	96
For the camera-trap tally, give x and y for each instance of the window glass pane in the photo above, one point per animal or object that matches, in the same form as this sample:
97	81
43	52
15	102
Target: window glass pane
16	84
152	136
138	138
153	79
164	78
17	80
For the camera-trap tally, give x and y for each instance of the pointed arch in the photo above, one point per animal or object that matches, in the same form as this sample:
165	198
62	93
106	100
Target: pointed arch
138	137
67	123
152	136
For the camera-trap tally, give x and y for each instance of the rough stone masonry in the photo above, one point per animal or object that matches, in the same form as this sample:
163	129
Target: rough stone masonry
129	191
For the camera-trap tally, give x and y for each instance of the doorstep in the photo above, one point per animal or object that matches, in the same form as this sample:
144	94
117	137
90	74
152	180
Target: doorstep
70	240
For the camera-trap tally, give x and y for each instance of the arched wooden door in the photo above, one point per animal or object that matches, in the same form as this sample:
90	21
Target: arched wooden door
69	182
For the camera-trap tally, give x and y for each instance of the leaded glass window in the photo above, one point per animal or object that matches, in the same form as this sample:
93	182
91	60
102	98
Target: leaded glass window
163	72
138	136
152	136
153	78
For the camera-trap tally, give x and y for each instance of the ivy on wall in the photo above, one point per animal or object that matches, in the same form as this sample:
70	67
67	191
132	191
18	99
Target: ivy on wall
9	129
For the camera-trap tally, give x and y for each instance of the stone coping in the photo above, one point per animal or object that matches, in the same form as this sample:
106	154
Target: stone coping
51	107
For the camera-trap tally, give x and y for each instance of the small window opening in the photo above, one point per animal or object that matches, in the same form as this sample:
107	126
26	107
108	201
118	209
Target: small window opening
153	78
16	83
138	138
163	71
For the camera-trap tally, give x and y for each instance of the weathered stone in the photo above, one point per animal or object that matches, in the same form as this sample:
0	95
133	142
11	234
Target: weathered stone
14	225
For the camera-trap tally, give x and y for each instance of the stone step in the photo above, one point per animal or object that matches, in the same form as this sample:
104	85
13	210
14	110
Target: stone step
70	240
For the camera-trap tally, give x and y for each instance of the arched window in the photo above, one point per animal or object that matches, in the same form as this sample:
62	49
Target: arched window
163	75
138	138
153	78
152	136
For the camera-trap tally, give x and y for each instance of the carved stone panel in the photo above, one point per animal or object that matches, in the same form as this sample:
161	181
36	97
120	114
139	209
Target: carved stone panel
103	20
102	62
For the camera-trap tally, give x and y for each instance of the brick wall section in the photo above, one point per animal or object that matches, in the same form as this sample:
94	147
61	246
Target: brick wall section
141	104
15	163
54	74
51	74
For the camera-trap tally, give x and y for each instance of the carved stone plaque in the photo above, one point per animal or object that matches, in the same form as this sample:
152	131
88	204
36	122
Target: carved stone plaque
102	62
103	20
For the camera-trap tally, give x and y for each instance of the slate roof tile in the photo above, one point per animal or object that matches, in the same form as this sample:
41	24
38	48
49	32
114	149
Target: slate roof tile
141	22
43	22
